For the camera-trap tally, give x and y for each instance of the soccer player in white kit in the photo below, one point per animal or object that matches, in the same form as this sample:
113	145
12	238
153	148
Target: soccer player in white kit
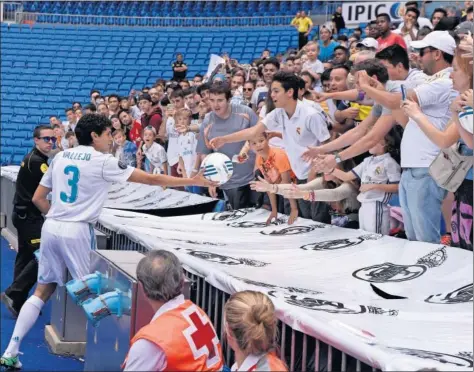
79	179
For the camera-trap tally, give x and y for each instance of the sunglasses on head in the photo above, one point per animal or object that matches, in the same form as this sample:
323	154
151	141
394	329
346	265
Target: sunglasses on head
48	139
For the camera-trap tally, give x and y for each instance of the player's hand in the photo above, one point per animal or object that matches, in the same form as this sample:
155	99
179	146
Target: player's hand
411	109
467	98
367	187
293	216
212	191
200	180
273	216
312	153
217	143
271	135
324	163
261	185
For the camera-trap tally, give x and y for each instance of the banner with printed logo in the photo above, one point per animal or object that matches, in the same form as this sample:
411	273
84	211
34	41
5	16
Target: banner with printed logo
364	12
397	304
134	196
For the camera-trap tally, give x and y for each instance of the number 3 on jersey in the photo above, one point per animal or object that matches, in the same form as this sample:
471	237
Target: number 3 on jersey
73	172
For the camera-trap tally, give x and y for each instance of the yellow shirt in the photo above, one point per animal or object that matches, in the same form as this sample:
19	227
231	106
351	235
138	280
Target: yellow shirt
303	23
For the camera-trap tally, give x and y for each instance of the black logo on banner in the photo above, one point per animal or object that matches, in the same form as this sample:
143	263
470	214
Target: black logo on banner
224	260
462	359
295	230
253	224
229	216
332	307
285	289
392	273
329	245
458	296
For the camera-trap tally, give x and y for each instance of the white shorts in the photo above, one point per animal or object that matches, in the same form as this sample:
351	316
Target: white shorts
374	217
65	245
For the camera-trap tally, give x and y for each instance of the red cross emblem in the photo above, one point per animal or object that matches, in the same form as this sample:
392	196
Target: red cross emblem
201	336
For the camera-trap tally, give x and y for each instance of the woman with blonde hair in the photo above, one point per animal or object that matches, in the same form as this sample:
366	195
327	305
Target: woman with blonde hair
251	331
462	77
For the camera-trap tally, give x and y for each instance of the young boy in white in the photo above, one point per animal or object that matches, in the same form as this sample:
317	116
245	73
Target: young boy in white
379	176
154	152
79	180
187	142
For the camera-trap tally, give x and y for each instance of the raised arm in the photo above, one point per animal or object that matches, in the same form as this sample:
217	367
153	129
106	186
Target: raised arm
243	135
139	176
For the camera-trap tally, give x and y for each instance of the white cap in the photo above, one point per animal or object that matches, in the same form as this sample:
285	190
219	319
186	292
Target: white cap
440	40
369	42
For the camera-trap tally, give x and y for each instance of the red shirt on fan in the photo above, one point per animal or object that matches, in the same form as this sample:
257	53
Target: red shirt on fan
135	133
392	39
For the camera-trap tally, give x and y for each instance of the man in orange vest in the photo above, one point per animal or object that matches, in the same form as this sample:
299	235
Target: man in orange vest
180	337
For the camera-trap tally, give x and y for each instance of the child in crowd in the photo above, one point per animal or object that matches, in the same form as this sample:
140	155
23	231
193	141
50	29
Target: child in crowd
186	146
116	124
124	150
154	152
272	164
379	175
313	65
71	139
60	136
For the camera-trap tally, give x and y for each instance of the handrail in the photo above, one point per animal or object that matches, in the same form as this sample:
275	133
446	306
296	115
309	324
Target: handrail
77	19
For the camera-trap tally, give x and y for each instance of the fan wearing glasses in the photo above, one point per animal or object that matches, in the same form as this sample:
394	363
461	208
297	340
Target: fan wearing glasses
27	219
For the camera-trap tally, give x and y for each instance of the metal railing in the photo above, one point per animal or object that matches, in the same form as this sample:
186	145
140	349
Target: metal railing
92	20
9	10
300	351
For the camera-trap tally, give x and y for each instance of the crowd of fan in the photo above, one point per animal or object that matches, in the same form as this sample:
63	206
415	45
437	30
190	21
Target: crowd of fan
321	132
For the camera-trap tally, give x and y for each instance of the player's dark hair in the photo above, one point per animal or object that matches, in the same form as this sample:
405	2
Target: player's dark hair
88	124
386	16
394	54
38	129
220	87
373	67
288	81
301	83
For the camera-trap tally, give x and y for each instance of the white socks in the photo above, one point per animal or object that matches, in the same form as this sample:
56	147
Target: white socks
26	319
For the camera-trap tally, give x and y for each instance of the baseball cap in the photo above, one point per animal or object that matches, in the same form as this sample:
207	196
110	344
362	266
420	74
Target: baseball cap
464	28
440	40
144	97
369	42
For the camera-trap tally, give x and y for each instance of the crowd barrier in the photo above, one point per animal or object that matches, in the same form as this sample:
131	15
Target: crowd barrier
300	351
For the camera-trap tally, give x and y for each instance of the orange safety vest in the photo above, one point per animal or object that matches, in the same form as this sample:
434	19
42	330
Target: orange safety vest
187	337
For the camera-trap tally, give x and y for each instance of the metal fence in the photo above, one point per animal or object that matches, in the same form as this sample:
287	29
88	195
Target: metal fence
8	11
301	352
93	20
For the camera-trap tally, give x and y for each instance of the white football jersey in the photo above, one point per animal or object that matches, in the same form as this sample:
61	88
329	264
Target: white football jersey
80	178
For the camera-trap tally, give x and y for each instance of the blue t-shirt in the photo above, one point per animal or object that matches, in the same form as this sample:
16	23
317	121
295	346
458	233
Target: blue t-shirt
466	151
326	52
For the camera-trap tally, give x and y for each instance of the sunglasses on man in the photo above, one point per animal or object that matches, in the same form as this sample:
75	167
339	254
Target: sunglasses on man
48	139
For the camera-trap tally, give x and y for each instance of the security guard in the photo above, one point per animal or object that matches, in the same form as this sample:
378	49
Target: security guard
27	219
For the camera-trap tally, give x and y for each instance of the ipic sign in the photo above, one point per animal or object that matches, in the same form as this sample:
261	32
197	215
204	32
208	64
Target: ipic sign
355	13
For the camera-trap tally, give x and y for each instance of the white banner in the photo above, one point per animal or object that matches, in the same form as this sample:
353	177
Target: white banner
331	283
364	12
134	196
215	64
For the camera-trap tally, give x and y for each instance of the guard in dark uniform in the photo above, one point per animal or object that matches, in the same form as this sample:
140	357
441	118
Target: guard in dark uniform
179	68
28	220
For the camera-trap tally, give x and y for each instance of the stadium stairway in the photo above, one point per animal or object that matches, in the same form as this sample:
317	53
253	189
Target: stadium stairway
45	68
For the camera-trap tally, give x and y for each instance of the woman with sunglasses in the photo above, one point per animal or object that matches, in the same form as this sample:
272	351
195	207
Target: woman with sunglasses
27	219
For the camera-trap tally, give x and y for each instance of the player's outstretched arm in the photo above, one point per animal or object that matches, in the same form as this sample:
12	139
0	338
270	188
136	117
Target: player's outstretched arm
40	199
139	176
243	135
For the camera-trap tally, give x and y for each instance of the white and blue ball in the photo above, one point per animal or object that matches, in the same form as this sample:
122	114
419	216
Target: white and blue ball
217	168
466	119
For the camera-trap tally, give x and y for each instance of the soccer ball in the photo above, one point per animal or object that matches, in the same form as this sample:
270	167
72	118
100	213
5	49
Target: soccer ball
465	118
217	167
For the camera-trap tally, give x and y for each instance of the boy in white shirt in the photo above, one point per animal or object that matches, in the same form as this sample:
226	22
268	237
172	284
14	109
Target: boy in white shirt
187	142
154	152
79	181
